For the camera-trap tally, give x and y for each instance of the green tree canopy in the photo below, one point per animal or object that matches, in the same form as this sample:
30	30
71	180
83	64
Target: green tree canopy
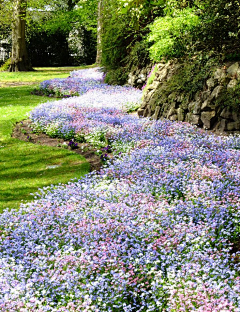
48	16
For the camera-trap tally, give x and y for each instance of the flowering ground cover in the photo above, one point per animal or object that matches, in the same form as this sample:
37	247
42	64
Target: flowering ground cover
155	230
78	83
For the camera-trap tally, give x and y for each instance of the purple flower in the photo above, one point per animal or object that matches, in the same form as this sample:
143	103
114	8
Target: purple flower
156	229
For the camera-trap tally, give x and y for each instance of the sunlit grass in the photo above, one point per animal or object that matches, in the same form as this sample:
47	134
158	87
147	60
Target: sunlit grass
39	74
15	104
24	167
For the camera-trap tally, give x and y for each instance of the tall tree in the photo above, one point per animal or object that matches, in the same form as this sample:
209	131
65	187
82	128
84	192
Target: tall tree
19	57
99	32
45	13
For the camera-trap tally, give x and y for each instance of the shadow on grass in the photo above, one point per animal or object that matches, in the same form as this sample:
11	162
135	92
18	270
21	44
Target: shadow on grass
26	167
16	96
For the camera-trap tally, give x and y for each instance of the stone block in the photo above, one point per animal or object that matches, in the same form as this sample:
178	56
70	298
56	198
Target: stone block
144	105
156	113
208	119
236	116
160	66
172	111
211	83
180	114
238	73
232	84
153	103
147	96
235	125
226	113
216	92
207	105
223	125
197	108
191	106
194	119
130	81
155	84
147	111
233	69
180	98
140	112
142	76
174	105
173	117
162	75
205	95
172	96
220	75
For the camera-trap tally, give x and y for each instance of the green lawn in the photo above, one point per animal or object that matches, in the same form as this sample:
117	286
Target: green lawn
25	167
39	74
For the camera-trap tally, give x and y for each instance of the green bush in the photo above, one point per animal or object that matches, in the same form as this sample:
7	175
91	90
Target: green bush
138	57
171	34
123	38
116	76
6	65
190	27
219	28
144	31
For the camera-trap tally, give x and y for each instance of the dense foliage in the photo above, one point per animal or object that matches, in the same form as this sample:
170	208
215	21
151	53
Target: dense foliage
169	34
156	229
123	34
145	31
220	28
57	32
64	34
165	28
197	26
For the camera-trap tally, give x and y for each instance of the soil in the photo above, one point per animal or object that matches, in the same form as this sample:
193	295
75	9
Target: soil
24	132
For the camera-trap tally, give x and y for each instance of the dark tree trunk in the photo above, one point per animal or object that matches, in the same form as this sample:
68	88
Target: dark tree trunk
19	57
99	32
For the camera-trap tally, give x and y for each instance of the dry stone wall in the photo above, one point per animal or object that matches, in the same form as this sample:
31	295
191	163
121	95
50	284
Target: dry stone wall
203	109
138	77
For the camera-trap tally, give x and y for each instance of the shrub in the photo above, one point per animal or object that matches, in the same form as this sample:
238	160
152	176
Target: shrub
6	65
123	39
116	76
219	28
171	34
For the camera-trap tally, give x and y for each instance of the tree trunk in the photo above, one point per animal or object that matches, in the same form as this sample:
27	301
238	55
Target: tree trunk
99	32
19	57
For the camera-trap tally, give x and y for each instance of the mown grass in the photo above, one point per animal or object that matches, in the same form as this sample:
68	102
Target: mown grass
25	167
39	74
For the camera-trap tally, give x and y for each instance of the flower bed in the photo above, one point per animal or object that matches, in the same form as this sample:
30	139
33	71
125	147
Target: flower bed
152	231
95	117
80	82
76	84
